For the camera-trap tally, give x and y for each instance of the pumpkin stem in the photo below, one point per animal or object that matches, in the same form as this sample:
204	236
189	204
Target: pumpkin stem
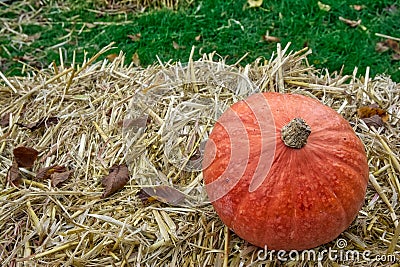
295	133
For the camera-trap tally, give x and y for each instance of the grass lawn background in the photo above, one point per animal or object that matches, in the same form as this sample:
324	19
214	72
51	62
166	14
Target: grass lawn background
34	32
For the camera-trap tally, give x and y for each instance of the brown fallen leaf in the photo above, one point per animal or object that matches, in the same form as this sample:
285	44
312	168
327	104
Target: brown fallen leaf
375	121
115	180
59	177
136	59
25	58
392	44
33	37
45	173
13	175
396	57
371	110
389	44
269	38
25	156
5	119
137	123
373	115
162	193
134	124
135	37
381	47
109	112
145	197
351	23
197	38
43	122
177	46
357	7
111	57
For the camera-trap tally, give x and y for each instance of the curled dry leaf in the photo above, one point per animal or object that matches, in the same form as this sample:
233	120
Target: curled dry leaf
381	47
25	156
111	57
371	110
351	23
45	173
13	175
135	37
5	119
357	7
375	121
115	180
254	3
109	112
269	38
373	115
392	44
59	177
43	122
323	6
396	57
136	59
162	193
137	123
389	44
177	46
144	196
33	37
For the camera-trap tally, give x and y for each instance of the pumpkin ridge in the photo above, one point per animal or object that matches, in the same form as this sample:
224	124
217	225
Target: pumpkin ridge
293	224
314	151
341	150
270	199
267	218
285	155
351	189
324	194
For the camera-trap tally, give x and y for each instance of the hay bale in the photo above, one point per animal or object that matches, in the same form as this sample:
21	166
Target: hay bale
155	120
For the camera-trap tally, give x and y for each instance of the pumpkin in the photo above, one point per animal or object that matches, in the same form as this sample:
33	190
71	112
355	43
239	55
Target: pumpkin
285	171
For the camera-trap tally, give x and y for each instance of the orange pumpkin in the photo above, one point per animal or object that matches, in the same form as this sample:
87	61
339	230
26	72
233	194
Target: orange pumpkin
285	171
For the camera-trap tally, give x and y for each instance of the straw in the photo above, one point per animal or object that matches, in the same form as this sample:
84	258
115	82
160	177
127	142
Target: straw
156	120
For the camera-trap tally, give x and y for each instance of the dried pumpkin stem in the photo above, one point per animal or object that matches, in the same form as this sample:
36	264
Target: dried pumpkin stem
295	133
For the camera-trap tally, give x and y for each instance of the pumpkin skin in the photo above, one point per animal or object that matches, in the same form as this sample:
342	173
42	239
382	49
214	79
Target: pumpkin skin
307	196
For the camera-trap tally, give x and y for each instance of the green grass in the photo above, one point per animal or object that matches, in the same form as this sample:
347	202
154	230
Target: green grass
227	27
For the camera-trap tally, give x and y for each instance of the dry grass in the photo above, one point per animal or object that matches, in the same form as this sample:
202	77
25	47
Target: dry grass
102	107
